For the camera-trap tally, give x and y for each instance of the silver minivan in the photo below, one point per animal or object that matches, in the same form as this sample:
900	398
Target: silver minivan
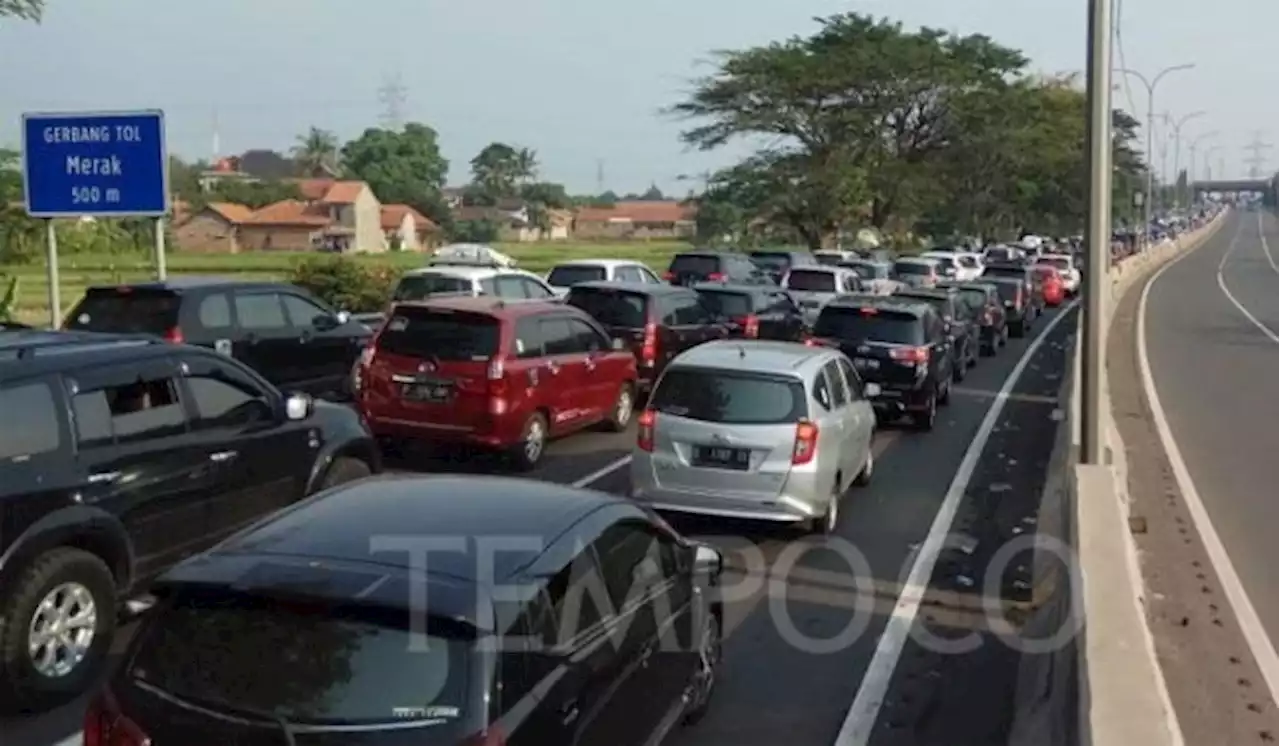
813	287
772	431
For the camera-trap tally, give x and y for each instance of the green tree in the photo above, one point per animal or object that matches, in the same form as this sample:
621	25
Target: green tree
547	193
499	170
317	151
402	167
476	231
251	194
23	10
20	236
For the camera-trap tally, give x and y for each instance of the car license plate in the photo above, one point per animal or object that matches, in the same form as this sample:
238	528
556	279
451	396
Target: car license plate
726	458
866	363
427	392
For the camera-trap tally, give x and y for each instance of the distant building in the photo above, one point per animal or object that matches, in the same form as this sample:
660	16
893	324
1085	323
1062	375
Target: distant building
637	219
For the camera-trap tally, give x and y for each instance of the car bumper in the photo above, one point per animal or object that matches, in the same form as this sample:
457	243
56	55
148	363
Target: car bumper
802	497
488	437
897	401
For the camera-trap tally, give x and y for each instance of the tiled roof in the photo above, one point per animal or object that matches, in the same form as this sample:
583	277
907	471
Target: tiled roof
231	212
289	212
393	217
332	191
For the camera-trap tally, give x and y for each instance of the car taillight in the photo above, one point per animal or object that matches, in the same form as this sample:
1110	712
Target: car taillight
105	726
910	354
649	349
644	430
497	375
362	365
750	325
806	445
989	316
1017	299
174	335
668	276
716	277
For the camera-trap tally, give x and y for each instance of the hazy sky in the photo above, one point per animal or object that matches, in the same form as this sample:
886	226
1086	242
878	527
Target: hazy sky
581	82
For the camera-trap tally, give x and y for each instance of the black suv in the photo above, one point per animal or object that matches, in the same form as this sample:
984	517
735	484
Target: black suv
777	263
293	339
541	614
987	308
898	344
692	267
120	455
656	322
958	321
755	311
1032	285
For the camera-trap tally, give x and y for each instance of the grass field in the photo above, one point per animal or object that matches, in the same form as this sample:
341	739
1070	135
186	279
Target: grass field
81	271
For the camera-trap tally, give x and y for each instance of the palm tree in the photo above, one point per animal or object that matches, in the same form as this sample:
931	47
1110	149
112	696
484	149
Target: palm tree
526	165
317	151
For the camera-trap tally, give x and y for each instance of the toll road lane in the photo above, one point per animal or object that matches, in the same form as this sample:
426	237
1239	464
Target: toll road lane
773	691
794	656
1215	380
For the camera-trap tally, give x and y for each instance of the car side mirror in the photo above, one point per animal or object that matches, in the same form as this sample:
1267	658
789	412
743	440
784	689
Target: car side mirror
707	559
342	317
324	322
298	406
618	344
871	390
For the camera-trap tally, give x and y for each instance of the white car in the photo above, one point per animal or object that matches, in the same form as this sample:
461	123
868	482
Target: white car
948	262
814	287
970	266
1066	266
447	278
567	274
476	254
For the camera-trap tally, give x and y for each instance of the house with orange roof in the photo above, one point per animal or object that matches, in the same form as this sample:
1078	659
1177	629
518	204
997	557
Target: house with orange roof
406	229
636	219
214	229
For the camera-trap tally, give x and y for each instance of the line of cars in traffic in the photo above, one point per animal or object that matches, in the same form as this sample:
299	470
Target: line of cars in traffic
168	417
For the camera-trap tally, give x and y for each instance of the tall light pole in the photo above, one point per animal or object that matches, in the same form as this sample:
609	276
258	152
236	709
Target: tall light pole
1177	151
1150	85
1208	164
1098	145
1191	167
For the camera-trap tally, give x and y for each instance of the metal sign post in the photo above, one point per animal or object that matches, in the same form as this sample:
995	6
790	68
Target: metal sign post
94	164
51	252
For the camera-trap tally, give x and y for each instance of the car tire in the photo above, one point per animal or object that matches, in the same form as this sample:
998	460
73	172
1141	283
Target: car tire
944	396
710	654
868	468
624	405
78	578
827	523
925	420
345	469
526	454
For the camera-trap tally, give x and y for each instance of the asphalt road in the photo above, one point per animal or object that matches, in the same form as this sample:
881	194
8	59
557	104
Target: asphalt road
807	657
1215	372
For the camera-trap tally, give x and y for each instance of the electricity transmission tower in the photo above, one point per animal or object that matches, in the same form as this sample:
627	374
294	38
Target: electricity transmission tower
1257	158
393	96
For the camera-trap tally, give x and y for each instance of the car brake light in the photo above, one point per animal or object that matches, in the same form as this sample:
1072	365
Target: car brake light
497	375
910	354
750	325
806	445
649	349
716	276
105	726
668	275
174	335
644	430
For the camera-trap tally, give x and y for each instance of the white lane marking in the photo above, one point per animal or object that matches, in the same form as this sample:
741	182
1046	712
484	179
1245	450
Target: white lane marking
1266	248
1222	285
1250	625
602	472
861	718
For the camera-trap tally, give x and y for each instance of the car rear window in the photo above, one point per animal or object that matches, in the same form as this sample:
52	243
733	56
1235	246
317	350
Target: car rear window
699	264
568	275
612	307
1018	272
441	334
912	268
945	261
1057	262
875	324
727	302
869	271
775	260
1007	290
941	305
125	310
729	396
305	664
811	280
975	298
418	287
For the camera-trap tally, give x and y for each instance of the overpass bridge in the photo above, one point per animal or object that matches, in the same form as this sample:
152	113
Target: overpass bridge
1231	186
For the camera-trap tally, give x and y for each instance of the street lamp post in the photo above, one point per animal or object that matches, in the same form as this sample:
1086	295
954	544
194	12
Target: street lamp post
1208	164
1150	85
1191	167
1177	152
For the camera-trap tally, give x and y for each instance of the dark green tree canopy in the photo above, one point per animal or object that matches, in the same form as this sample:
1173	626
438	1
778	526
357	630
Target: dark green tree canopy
403	167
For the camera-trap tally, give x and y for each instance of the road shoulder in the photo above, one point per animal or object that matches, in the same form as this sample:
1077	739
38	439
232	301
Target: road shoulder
1218	694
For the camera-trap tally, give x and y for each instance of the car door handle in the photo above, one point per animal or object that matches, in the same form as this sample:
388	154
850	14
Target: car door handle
221	457
103	477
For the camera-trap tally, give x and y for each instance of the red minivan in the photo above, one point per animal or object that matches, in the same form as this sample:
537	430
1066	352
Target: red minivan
505	376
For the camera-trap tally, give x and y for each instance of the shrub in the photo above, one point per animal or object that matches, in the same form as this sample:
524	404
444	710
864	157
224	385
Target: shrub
8	298
344	284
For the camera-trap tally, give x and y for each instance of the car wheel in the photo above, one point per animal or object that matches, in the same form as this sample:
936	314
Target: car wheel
926	419
944	395
825	525
868	468
533	441
623	408
703	684
343	470
56	629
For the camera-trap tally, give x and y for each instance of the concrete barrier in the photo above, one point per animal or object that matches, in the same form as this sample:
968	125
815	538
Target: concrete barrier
1105	687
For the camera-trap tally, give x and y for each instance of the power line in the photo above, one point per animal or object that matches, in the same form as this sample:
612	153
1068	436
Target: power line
393	96
1257	148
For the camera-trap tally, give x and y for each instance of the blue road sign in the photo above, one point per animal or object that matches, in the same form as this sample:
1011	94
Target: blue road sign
104	164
